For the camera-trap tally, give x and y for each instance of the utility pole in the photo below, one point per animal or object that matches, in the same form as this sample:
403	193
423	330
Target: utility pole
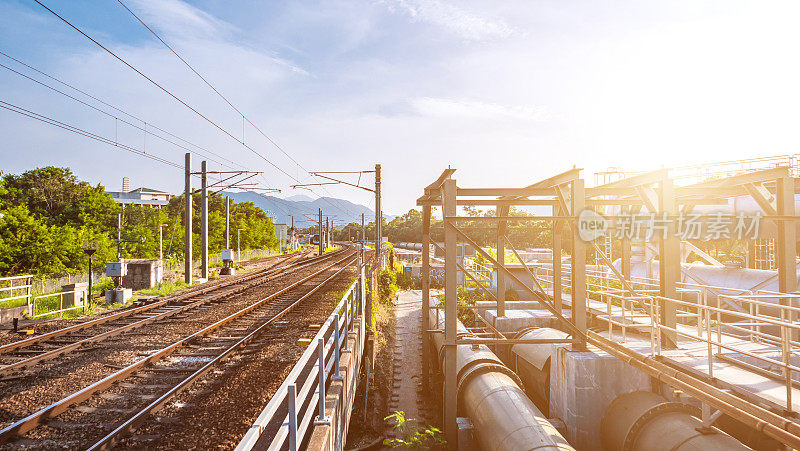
204	220
376	191
362	230
238	245
119	237
319	231
161	241
327	232
227	222
187	223
378	215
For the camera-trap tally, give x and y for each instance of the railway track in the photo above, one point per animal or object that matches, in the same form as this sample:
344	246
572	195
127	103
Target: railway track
17	357
99	414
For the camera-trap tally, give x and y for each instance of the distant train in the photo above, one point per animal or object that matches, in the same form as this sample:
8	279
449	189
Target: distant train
315	239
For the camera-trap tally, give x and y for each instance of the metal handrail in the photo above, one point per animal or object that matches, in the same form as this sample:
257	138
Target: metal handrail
11	288
714	323
299	392
61	309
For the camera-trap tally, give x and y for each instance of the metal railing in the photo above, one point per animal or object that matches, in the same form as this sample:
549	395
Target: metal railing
482	274
15	285
60	311
730	322
299	403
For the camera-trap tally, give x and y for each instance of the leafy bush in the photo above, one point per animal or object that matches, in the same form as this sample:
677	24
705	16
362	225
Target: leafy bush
466	298
406	282
412	436
47	214
106	283
387	285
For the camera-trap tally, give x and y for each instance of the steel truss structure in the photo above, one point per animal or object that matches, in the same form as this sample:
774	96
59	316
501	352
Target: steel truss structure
659	307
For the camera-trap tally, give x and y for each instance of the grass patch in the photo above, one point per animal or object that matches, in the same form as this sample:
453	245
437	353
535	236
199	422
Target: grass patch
165	288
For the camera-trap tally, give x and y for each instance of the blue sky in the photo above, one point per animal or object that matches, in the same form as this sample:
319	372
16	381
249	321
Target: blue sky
506	92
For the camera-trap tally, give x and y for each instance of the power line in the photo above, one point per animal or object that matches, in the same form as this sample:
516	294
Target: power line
87	94
104	112
48	120
168	92
179	99
210	85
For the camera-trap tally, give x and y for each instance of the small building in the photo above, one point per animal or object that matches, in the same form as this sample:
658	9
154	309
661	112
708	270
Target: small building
282	233
143	274
140	196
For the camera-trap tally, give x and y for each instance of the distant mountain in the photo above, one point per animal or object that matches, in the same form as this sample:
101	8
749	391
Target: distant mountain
299	198
303	207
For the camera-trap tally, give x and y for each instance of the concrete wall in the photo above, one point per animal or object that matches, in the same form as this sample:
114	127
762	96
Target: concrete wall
8	314
143	274
583	385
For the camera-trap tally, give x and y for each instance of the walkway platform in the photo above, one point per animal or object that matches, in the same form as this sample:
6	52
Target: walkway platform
691	354
407	387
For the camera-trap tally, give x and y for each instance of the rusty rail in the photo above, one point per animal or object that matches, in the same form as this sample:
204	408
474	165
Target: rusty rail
32	421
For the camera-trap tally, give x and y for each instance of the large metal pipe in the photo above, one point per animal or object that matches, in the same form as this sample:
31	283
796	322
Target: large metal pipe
734	279
532	363
490	395
645	421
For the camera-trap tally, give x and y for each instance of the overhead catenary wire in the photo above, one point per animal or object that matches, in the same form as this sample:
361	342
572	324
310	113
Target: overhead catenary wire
79	131
166	91
106	113
114	107
237	110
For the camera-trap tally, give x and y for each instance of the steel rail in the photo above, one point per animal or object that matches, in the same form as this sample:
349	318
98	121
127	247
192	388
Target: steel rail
48	355
32	421
128	312
134	422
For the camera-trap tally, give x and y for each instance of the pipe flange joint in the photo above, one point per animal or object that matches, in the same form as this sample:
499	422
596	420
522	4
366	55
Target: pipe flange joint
483	367
652	413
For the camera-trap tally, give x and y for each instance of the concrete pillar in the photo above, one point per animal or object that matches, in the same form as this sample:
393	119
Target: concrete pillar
227	222
187	222
378	216
204	221
450	401
320	232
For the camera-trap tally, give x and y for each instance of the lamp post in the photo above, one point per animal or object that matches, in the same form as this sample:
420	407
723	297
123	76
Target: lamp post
89	248
161	241
238	246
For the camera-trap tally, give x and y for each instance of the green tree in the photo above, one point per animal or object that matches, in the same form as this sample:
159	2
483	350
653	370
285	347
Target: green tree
48	214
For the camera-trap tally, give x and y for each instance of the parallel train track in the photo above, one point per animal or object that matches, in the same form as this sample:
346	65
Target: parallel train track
17	357
115	408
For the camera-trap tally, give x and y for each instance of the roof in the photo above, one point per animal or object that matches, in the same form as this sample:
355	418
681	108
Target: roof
140	201
148	190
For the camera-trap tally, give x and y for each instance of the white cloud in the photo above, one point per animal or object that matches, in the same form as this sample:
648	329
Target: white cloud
465	24
194	29
180	19
470	109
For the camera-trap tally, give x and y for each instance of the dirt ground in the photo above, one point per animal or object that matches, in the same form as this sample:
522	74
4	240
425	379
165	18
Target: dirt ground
396	382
